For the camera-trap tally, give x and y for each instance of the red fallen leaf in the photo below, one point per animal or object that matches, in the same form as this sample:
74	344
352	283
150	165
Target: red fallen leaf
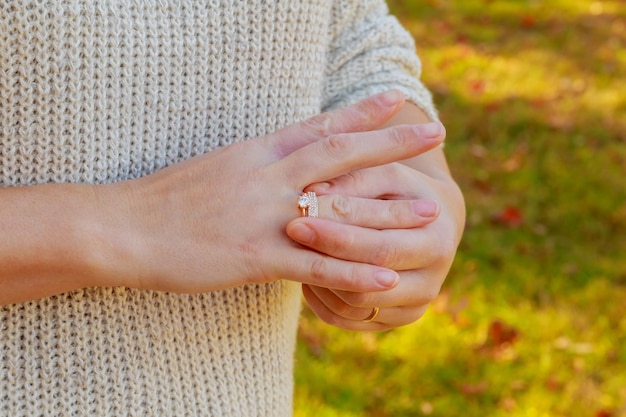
443	27
475	389
493	106
501	333
510	217
528	21
554	384
461	38
477	86
539	103
604	413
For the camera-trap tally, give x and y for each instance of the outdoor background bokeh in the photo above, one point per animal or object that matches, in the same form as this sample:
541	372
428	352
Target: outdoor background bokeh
531	321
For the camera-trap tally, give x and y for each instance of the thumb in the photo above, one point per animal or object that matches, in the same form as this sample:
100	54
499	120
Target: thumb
365	115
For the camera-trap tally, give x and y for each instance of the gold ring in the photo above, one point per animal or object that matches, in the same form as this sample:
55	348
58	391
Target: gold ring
372	315
307	202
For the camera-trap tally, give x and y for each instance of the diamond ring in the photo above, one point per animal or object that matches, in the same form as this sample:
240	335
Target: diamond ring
307	202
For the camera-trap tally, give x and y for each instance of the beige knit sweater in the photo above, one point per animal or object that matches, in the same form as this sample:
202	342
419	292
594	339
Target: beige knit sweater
100	91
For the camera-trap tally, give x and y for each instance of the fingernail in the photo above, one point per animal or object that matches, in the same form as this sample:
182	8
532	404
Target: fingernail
302	233
387	279
430	130
391	97
425	208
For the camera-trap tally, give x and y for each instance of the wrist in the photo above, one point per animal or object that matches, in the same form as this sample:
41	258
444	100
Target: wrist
54	240
107	235
87	235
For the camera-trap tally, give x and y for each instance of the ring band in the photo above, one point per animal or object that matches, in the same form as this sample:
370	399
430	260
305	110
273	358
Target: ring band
307	202
372	315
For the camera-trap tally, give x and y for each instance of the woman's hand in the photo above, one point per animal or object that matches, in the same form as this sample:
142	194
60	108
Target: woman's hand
218	220
361	221
422	254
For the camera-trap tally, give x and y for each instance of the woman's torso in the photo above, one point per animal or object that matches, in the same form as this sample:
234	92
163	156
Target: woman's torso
104	91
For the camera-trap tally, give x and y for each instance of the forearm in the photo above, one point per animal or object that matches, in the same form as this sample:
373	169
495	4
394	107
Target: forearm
55	238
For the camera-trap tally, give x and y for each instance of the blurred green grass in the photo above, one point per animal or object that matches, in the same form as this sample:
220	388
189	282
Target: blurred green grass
531	320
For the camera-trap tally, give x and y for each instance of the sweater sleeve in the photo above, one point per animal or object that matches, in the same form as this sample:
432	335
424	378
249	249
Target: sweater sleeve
370	52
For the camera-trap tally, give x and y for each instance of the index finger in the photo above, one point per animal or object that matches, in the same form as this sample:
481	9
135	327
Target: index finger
368	114
339	154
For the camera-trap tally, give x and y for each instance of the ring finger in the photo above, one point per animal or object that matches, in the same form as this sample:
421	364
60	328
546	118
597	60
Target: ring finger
335	311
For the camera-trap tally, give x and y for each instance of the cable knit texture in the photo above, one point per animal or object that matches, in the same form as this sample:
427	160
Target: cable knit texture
102	91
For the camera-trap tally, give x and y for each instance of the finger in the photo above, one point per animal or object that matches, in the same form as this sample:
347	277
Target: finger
389	181
324	304
368	114
397	249
326	315
341	153
416	288
309	267
338	306
378	214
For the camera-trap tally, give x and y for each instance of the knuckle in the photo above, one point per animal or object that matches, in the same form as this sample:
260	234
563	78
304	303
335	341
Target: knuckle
397	210
355	177
354	117
341	207
319	125
386	255
319	269
337	145
398	136
365	111
348	279
403	178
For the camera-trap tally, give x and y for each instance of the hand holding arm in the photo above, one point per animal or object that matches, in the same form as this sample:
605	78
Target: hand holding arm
422	253
208	223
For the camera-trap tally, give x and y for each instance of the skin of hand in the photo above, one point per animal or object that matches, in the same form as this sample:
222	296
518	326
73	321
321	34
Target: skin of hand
422	254
211	222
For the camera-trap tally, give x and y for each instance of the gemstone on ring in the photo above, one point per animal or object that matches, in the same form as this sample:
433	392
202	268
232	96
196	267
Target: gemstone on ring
304	201
307	202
